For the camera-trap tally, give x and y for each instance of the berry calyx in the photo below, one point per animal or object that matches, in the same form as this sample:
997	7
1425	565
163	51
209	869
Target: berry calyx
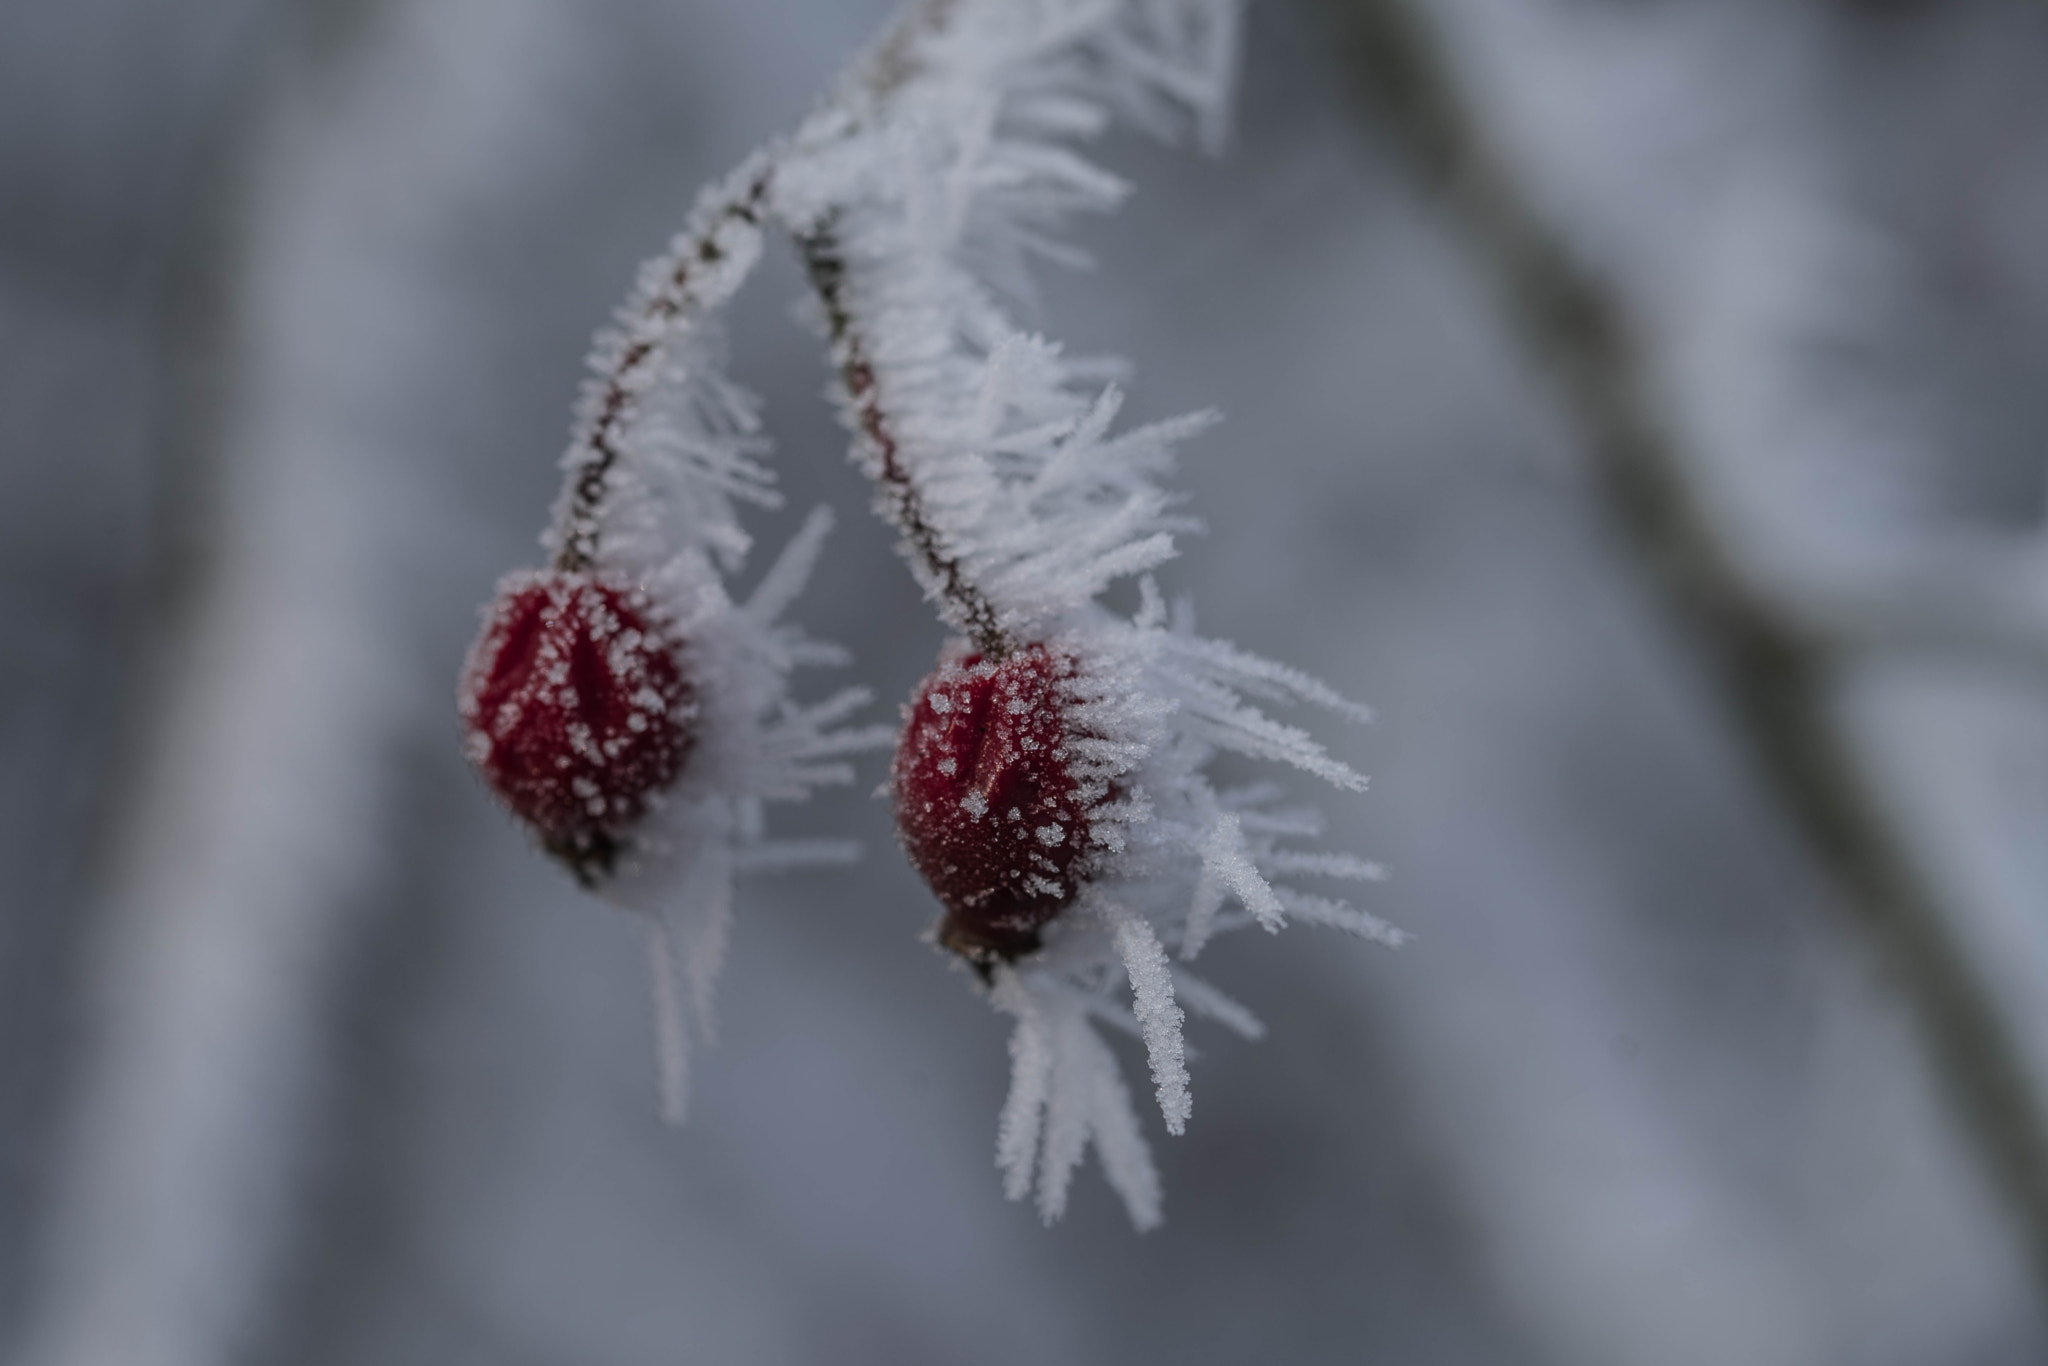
577	711
986	802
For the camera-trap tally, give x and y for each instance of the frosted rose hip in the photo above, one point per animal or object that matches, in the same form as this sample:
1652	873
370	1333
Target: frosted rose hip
986	804
576	711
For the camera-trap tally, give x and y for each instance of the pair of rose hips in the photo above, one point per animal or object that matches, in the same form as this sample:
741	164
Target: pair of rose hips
580	714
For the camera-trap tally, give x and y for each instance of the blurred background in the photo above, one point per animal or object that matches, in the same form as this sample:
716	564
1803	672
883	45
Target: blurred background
306	1056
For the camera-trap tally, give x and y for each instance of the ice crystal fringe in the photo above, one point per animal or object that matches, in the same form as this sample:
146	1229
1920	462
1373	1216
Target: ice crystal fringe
919	195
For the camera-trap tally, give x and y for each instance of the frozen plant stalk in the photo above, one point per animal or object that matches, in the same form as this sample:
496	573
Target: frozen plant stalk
1050	781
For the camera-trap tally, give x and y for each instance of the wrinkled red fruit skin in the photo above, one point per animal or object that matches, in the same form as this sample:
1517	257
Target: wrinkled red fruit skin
986	805
575	710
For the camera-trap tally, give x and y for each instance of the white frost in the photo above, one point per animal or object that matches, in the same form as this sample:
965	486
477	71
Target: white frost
1158	1016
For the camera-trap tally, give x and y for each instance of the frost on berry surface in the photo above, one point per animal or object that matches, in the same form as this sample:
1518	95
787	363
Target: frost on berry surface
576	711
986	802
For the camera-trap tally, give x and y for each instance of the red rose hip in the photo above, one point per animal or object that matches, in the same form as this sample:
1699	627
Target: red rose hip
986	802
576	710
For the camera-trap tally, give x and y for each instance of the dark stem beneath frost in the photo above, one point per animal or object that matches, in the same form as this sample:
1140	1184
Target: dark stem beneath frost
590	477
968	606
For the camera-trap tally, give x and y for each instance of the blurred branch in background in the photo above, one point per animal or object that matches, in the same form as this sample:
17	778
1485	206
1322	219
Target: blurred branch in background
1773	642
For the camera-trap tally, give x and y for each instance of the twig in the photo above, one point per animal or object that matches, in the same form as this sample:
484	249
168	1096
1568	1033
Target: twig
1771	668
615	399
891	66
902	501
613	402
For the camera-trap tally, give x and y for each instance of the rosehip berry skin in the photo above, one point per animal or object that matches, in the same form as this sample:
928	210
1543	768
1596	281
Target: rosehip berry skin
576	711
986	804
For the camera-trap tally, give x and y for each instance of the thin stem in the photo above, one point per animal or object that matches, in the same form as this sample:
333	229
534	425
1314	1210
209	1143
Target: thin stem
877	448
612	401
1773	677
618	387
962	601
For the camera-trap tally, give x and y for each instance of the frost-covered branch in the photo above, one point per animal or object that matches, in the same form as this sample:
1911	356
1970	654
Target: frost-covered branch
902	503
1051	782
1772	652
702	270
